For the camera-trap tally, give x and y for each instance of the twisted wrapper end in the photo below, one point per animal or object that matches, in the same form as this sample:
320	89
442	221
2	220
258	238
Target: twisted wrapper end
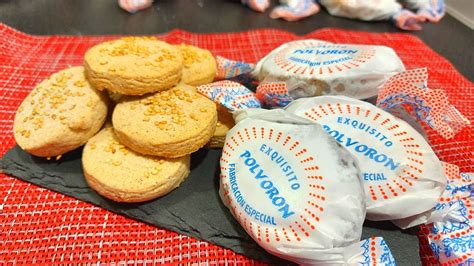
409	90
232	95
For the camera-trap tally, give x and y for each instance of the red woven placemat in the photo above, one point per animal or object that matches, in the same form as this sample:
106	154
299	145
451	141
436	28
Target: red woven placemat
40	226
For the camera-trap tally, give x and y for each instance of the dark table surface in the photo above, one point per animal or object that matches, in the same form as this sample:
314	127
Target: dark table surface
449	38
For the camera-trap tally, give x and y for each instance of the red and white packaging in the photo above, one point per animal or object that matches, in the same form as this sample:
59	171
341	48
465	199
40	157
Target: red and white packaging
309	68
295	191
402	175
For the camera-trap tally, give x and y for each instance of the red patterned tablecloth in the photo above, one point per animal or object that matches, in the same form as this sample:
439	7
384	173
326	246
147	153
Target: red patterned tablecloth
41	226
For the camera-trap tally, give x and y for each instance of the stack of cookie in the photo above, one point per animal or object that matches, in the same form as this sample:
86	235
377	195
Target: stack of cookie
158	118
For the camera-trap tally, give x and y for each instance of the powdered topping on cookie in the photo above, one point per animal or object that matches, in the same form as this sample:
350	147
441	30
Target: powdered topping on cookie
123	175
172	123
133	65
60	114
199	65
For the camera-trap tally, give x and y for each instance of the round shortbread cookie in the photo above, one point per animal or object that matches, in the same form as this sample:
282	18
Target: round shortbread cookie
171	124
60	114
133	65
224	123
199	65
118	173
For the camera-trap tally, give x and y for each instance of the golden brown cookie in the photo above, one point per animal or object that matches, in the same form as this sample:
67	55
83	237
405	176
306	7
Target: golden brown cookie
224	123
133	65
199	65
60	114
170	124
120	174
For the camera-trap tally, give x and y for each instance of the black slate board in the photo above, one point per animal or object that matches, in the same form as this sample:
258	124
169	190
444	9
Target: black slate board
193	209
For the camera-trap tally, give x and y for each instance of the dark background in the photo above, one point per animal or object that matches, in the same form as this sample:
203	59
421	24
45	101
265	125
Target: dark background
450	38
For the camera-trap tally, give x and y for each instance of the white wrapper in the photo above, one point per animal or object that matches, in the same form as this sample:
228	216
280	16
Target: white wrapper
362	9
402	175
313	68
292	187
